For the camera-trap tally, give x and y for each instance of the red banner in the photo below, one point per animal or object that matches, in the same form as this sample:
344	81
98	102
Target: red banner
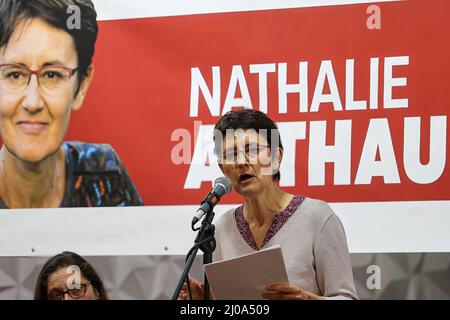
361	97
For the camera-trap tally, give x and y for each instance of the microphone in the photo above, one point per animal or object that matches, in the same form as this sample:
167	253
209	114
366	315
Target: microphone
222	186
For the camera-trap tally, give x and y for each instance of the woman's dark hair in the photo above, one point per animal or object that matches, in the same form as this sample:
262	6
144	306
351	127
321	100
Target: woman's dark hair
64	260
246	119
56	14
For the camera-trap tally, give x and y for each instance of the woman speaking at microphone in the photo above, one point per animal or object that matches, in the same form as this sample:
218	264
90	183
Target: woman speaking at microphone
249	150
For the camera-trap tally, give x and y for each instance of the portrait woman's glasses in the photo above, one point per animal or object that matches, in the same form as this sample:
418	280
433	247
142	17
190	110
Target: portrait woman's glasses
16	77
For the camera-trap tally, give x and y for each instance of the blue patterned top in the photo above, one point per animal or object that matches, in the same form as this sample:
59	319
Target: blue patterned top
95	177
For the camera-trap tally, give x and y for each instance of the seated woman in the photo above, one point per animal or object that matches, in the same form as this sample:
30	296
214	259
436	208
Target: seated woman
67	276
310	234
45	72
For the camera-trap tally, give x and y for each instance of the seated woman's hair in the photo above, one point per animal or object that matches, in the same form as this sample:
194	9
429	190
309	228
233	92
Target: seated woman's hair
246	119
64	260
56	14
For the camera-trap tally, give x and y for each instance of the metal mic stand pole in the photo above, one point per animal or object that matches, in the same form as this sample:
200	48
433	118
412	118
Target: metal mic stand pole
206	242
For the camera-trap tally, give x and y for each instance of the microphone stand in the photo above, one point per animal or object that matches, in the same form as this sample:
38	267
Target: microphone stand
206	242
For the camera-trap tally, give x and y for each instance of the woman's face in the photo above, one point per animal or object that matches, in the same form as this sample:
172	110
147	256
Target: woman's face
248	162
60	281
34	120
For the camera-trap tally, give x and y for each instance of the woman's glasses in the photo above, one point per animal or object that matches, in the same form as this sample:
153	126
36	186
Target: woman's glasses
75	293
16	77
250	151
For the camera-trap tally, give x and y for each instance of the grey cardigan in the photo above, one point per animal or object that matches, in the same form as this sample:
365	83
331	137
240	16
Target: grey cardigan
314	249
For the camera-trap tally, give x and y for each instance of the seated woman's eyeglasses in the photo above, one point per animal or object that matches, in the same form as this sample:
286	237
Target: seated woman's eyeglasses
16	77
75	293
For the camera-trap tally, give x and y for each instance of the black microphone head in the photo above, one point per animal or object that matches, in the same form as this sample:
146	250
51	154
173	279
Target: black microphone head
225	185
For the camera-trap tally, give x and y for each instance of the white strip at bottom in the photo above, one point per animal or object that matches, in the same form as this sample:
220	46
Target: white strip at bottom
373	227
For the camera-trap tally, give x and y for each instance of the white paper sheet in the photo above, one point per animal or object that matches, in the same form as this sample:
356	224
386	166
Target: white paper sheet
245	277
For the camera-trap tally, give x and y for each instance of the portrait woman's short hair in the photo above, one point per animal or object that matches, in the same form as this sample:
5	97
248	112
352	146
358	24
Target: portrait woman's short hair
59	14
